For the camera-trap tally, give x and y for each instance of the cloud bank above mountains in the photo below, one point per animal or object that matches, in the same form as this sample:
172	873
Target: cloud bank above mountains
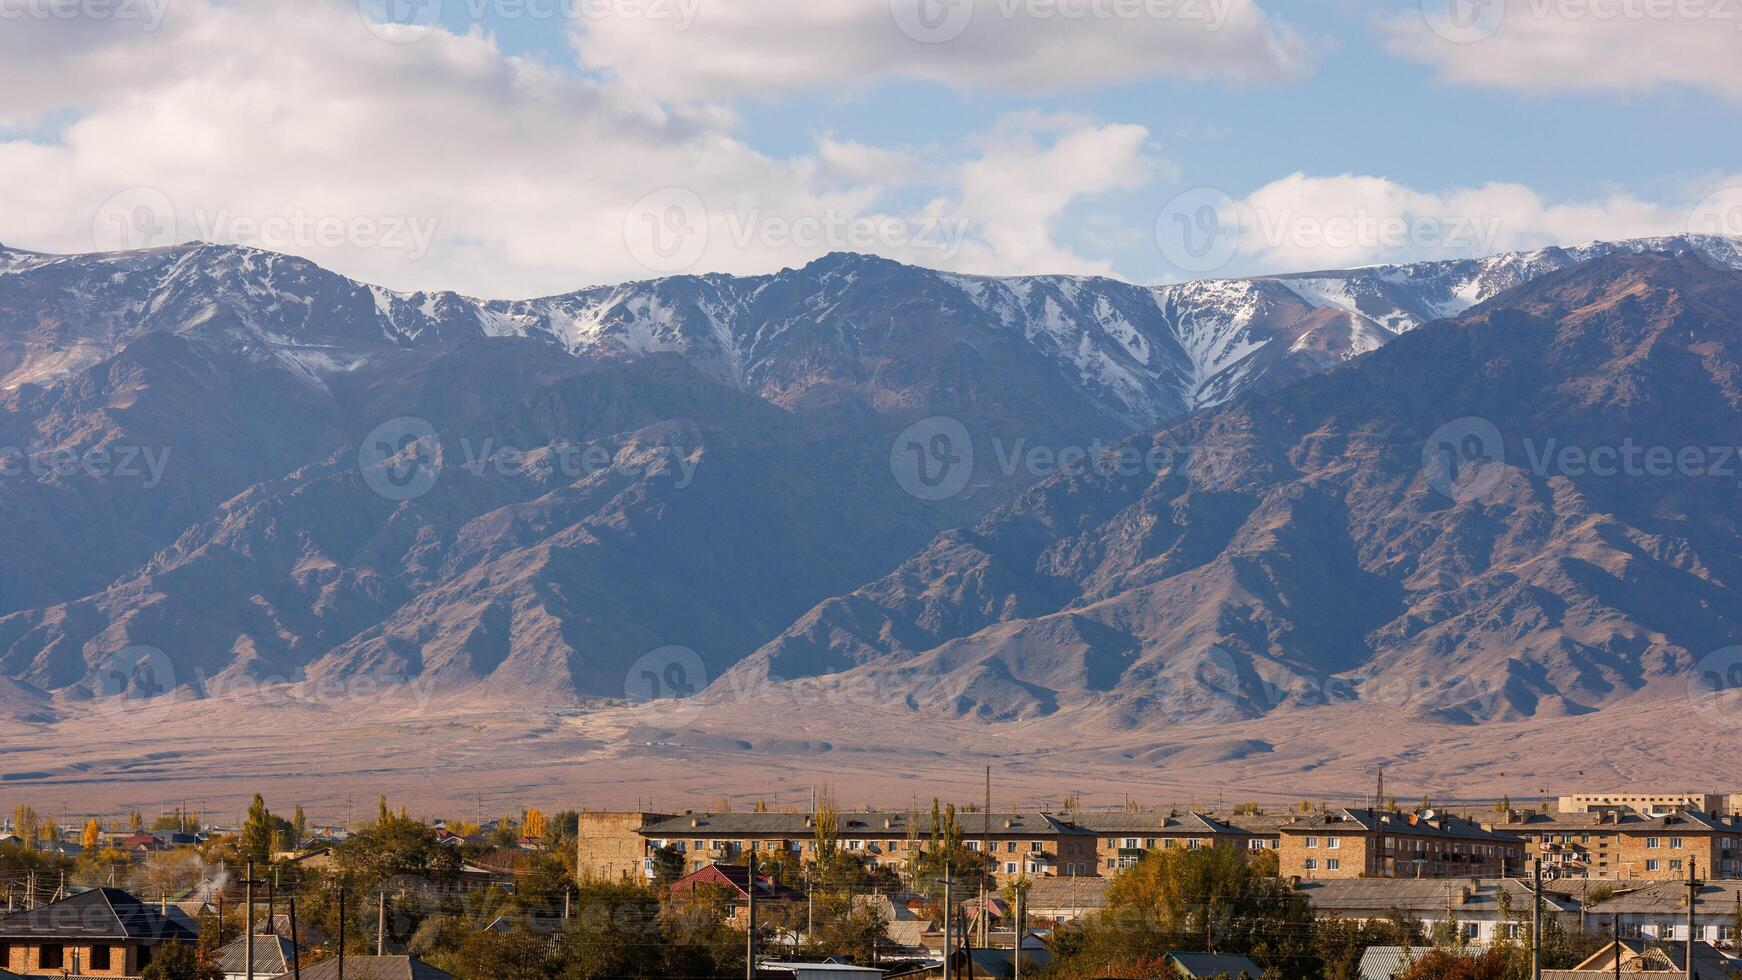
426	156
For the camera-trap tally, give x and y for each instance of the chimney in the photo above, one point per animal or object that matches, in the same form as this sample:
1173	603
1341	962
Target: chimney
888	823
695	821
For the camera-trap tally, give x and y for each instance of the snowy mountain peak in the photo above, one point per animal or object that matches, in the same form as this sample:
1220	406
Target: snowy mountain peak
1141	353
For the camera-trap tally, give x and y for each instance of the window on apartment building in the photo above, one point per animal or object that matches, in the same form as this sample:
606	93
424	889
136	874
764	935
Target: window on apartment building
1010	867
1654	865
1391	843
1255	844
50	956
1111	862
1194	844
1514	930
1653	842
1009	848
1311	864
1131	842
1036	846
973	845
99	957
1675	842
1333	842
1149	842
1675	865
1312	842
1333	864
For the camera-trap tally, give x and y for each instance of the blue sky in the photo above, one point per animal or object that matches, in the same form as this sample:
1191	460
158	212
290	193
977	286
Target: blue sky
544	144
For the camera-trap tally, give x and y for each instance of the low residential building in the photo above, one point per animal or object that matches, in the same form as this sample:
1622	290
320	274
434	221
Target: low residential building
1660	911
1061	900
1629	844
1484	910
104	932
273	957
1391	962
734	883
1640	960
1368	843
376	968
1193	966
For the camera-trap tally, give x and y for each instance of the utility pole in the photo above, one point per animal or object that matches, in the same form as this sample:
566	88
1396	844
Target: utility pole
1016	951
295	947
248	924
381	925
949	926
750	914
1693	896
1615	930
985	852
341	931
1536	920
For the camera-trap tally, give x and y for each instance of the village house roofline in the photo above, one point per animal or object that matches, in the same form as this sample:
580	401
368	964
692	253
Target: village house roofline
1671	898
101	913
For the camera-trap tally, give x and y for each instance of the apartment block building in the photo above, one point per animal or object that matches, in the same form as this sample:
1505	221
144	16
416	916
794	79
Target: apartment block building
1650	804
1033	844
1627	844
1368	843
1123	837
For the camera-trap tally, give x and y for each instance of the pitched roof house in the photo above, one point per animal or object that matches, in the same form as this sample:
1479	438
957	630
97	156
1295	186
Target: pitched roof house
376	968
98	931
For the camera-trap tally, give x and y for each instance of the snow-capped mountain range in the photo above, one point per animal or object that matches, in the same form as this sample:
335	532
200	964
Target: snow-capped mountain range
1139	354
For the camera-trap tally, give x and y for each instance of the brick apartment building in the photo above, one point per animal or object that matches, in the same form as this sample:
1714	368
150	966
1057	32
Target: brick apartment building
1123	837
1368	843
616	846
1617	843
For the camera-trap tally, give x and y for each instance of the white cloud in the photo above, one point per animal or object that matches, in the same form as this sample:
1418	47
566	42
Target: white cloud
759	48
1542	46
1303	222
527	174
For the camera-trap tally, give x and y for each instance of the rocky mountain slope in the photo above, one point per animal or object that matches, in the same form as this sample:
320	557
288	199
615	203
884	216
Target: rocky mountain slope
269	472
1530	510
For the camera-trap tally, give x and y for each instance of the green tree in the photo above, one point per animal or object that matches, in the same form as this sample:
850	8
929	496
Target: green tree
668	866
255	843
1192	899
177	962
